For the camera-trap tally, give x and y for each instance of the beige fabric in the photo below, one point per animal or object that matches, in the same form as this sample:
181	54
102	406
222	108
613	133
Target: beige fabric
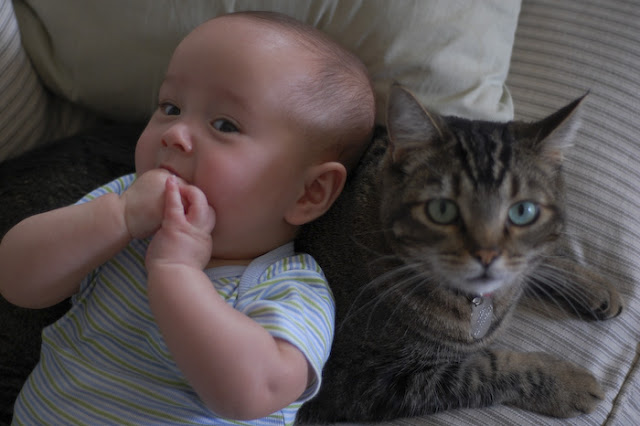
565	48
29	114
21	95
110	56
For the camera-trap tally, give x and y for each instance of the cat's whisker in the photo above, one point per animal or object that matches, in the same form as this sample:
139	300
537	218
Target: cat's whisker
407	284
363	245
403	281
384	281
416	282
556	279
371	232
534	289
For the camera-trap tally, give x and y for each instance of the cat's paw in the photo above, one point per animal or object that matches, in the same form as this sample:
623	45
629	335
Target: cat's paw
609	304
578	392
558	388
599	301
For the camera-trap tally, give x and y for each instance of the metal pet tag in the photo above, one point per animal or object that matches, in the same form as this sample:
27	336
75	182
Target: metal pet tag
481	315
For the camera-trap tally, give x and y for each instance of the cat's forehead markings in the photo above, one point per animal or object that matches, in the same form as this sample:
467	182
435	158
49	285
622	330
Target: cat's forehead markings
442	186
486	155
515	185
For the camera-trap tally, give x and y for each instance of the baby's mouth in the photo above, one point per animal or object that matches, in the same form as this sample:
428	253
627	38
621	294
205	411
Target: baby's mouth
170	170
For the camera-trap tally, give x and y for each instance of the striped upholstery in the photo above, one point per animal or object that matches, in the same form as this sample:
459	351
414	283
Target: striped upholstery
30	115
23	100
562	49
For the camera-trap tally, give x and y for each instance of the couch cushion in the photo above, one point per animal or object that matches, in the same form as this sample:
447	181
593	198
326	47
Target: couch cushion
21	95
30	114
111	56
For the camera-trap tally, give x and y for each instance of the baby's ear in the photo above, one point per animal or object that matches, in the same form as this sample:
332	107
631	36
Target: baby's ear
323	184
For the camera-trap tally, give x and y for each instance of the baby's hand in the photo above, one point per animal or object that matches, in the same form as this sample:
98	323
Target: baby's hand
144	203
185	234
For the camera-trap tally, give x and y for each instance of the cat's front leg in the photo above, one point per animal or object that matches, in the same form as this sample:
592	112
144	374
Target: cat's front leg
536	382
580	288
533	381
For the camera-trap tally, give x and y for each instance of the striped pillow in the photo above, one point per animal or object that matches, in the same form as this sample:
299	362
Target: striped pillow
23	100
30	115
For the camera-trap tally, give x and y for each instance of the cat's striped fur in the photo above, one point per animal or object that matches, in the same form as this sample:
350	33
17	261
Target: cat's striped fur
439	232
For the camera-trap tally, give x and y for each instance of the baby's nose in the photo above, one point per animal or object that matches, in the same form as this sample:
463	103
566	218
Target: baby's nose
178	137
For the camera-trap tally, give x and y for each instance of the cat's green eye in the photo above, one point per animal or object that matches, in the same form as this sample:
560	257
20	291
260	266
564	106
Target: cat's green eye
442	211
523	213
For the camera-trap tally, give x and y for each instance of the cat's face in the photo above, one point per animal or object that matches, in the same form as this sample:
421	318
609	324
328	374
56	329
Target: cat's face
472	205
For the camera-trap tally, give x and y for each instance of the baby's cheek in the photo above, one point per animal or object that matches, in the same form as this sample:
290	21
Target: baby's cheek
145	153
142	162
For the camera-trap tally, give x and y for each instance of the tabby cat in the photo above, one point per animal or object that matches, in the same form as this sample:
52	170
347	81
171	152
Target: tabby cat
437	235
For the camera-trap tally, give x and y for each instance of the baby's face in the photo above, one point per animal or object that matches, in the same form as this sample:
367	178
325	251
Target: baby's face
222	126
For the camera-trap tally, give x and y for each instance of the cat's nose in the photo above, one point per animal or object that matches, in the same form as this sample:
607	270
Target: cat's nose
486	256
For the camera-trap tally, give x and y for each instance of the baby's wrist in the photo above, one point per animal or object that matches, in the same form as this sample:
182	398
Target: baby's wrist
166	268
165	253
112	206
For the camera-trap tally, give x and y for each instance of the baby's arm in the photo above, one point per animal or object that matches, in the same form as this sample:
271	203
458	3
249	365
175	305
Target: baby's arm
44	258
237	368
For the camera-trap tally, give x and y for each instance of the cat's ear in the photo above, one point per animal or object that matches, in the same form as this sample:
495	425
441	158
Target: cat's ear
409	124
557	132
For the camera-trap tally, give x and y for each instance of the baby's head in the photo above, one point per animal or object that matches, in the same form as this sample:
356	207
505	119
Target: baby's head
334	103
264	114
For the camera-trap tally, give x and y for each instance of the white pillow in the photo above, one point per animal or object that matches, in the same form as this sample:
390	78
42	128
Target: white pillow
110	56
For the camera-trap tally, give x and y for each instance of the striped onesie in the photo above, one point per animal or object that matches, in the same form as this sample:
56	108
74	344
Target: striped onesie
105	362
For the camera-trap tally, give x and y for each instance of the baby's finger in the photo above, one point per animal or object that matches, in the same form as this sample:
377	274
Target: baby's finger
199	212
173	204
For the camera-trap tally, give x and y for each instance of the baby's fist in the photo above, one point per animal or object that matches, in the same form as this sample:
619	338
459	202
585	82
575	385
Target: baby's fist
144	203
185	234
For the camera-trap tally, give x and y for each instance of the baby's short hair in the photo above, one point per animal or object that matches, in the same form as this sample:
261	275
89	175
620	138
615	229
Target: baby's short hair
335	106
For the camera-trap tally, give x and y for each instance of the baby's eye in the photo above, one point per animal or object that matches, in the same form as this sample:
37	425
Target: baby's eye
169	109
224	126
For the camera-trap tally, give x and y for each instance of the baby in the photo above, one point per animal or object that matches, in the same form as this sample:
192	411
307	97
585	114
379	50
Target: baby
189	303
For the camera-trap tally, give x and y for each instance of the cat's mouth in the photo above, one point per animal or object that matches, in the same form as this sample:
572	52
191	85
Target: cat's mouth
477	286
484	284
